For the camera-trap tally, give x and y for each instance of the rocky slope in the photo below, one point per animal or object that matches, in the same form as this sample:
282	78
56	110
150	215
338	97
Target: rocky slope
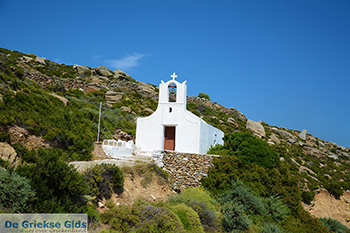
319	164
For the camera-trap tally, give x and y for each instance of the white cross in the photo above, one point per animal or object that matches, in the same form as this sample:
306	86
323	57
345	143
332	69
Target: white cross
173	76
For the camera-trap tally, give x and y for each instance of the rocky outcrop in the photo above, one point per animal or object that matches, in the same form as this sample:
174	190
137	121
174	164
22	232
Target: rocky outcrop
41	60
186	170
302	135
120	75
113	97
9	154
284	134
81	70
229	111
232	121
125	109
19	134
148	111
273	138
256	128
103	71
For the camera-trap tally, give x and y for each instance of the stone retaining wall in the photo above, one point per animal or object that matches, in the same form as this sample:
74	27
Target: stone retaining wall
186	170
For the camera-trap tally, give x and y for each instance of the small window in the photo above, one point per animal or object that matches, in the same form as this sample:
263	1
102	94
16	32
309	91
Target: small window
170	109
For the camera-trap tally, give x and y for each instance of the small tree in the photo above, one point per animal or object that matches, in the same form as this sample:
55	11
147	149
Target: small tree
103	179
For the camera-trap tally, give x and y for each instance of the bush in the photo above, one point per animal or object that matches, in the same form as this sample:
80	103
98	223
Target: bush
334	225
334	188
195	194
206	216
271	228
157	219
249	149
307	196
243	196
15	191
141	219
5	137
93	217
103	179
188	217
234	219
204	96
122	218
276	209
200	202
58	186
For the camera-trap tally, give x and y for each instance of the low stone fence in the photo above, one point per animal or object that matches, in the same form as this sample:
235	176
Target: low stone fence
185	169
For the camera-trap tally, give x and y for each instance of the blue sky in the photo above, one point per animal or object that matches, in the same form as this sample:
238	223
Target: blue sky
285	62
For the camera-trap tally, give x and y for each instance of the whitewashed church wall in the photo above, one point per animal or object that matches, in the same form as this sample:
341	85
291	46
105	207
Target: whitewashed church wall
209	136
149	133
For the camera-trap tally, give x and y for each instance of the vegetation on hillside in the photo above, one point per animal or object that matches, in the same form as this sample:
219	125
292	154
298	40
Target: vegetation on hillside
253	187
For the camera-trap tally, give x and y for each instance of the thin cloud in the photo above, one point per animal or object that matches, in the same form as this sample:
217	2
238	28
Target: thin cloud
96	58
126	62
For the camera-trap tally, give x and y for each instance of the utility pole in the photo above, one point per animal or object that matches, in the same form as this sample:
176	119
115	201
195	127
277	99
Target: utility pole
99	122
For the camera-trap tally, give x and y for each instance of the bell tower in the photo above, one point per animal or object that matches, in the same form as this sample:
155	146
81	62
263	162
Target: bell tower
172	92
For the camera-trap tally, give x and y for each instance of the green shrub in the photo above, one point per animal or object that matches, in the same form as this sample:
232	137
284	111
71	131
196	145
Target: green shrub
104	179
93	217
234	219
334	225
206	215
243	196
121	218
276	209
188	217
271	228
195	194
307	196
58	186
141	219
204	96
334	188
5	136
15	191
157	219
249	149
26	155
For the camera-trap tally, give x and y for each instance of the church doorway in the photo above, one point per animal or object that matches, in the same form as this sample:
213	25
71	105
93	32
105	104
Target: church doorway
169	138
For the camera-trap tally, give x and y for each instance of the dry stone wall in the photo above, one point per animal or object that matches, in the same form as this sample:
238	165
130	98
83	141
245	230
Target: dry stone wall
185	169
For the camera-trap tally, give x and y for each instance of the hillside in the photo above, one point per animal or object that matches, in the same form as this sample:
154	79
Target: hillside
46	106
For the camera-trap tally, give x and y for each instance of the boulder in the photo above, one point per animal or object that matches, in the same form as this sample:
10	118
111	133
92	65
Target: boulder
148	110
103	71
27	59
113	97
313	151
41	60
256	128
9	154
118	74
274	138
126	109
283	134
81	69
232	121
302	135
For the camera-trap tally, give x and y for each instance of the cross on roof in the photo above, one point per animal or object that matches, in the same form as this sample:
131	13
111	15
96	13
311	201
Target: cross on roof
173	76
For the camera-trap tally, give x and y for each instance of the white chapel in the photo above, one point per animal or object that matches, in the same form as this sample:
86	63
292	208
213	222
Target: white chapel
172	127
